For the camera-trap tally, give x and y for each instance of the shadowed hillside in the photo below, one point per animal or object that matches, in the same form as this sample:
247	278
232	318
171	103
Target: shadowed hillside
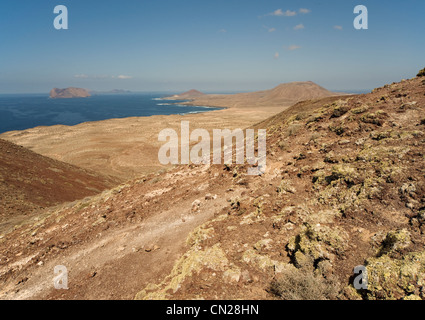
29	181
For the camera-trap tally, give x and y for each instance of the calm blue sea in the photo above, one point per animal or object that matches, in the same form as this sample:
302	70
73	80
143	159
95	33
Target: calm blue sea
19	112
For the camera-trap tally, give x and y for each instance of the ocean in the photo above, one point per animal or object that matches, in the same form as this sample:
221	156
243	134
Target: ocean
23	111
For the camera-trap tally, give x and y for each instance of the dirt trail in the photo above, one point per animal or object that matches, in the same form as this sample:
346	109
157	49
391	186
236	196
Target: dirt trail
116	266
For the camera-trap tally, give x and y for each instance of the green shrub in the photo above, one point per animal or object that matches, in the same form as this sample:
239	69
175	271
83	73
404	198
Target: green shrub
421	73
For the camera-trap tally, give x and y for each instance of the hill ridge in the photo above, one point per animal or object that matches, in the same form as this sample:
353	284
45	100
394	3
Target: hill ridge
343	187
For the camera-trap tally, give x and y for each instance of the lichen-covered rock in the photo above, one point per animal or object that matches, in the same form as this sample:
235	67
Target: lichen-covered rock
317	243
407	190
232	275
412	297
340	109
264	244
390	278
193	261
286	187
344	172
263	262
395	240
199	234
359	110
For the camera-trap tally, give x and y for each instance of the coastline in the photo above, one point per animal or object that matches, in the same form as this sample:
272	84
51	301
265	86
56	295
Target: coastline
125	148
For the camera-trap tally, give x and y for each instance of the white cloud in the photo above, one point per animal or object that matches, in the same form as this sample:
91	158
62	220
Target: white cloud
294	47
299	27
338	27
124	77
280	13
81	76
223	31
276	55
304	11
289	13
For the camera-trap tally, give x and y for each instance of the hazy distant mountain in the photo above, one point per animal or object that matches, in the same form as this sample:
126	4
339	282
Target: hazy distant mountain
189	94
285	94
69	93
297	91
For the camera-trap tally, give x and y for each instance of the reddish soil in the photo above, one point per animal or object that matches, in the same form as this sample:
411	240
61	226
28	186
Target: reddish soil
342	174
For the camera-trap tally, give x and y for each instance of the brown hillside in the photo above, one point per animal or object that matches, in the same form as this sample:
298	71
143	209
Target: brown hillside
284	95
344	186
30	181
299	91
190	94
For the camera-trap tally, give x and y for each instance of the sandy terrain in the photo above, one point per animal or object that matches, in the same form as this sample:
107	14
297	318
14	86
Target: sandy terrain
127	148
124	148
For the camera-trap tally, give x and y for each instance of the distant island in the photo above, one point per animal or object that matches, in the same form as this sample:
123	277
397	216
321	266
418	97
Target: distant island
69	93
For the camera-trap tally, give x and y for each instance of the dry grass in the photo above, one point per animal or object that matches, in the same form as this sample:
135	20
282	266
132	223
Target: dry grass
302	284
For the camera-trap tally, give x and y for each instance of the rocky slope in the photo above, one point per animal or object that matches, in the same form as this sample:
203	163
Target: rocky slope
344	186
69	93
29	181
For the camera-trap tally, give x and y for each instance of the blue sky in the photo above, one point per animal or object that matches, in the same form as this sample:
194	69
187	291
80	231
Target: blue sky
215	46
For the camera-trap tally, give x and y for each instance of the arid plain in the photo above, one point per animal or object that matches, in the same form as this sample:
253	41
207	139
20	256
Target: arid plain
127	148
